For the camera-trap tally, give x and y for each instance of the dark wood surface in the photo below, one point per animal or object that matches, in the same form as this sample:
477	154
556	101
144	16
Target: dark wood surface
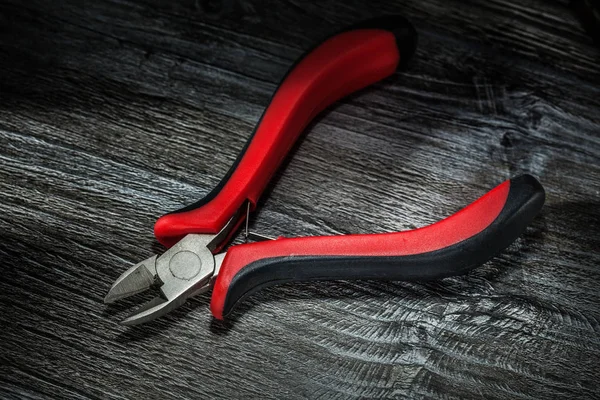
113	112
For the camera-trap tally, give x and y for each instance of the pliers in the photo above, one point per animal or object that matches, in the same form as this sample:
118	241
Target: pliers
348	61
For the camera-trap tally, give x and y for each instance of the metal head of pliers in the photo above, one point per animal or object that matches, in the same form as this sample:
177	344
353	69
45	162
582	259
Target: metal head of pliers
185	270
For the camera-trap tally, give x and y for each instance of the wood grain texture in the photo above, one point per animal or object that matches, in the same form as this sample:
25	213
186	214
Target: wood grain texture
114	112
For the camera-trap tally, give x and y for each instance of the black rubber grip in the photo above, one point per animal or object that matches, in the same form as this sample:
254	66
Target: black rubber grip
525	199
406	42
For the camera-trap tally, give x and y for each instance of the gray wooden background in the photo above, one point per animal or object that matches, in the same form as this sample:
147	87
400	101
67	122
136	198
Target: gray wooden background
113	112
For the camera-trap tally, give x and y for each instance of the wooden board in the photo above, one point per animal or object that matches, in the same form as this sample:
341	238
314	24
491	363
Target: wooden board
114	112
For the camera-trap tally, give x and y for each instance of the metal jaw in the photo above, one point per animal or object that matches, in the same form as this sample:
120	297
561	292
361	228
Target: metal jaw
185	270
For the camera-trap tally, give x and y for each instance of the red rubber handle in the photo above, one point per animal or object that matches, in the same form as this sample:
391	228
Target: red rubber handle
449	247
344	63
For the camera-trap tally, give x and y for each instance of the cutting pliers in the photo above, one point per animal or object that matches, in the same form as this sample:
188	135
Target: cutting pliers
196	234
